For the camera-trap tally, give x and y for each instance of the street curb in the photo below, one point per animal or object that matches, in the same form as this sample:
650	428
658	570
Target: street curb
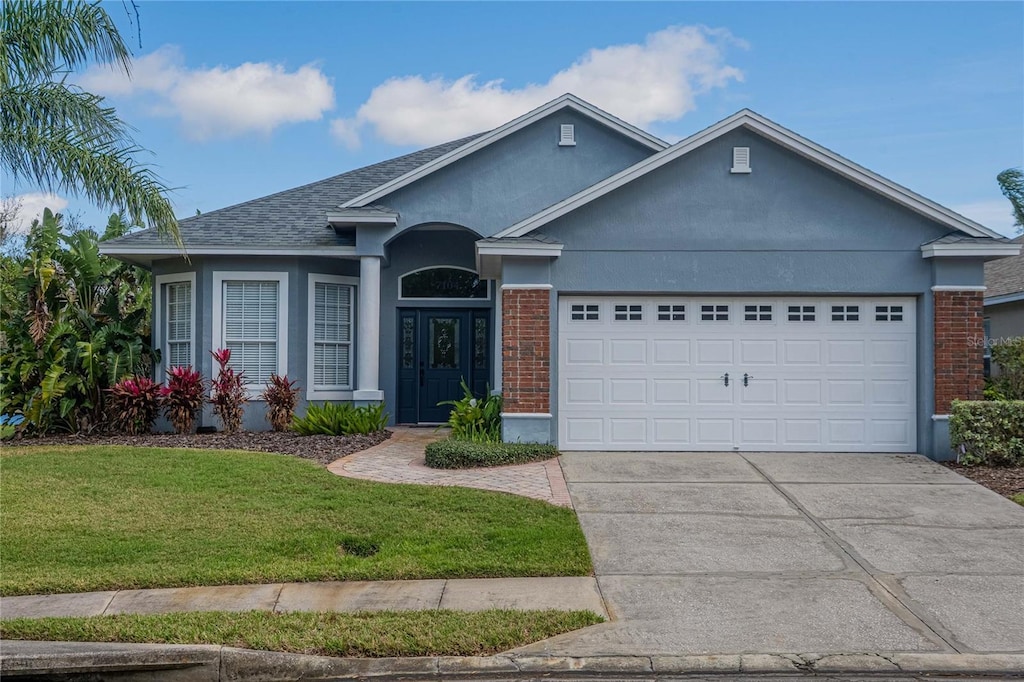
221	664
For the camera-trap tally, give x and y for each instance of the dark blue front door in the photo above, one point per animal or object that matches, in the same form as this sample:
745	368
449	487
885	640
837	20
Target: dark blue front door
438	350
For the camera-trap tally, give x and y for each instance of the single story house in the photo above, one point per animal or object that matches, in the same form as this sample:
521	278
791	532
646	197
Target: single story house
742	289
1004	299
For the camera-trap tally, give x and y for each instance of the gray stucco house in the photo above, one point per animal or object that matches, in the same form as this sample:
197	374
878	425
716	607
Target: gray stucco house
1004	298
744	288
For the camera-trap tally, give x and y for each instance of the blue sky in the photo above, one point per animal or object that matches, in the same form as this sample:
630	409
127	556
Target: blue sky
238	99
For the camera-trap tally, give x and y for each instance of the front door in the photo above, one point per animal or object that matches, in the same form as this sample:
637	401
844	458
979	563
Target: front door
439	350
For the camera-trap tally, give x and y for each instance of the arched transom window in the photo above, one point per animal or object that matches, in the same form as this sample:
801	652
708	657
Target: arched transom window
443	282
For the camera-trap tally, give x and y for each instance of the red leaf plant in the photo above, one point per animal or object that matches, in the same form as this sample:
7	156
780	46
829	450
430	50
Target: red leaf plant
183	397
229	394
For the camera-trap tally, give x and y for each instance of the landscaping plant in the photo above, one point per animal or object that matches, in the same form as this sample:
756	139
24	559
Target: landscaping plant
183	397
229	394
134	404
475	419
281	395
464	454
1008	382
988	432
74	323
340	419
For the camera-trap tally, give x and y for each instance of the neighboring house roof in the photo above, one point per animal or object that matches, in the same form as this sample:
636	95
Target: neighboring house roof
1005	279
294	218
566	101
773	131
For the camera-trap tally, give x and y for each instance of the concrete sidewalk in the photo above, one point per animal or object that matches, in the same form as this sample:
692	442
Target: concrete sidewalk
478	594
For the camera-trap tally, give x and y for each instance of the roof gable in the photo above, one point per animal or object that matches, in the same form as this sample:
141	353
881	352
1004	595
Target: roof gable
566	101
776	133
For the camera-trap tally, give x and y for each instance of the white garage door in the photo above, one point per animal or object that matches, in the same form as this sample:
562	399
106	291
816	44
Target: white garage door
790	374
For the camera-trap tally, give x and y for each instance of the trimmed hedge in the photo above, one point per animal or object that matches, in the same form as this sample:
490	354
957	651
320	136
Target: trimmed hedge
988	433
464	454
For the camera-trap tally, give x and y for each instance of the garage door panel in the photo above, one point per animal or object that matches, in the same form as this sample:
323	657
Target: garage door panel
824	374
627	351
671	391
755	352
671	351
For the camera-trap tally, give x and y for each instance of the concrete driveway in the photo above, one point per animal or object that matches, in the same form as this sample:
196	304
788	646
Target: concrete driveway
719	553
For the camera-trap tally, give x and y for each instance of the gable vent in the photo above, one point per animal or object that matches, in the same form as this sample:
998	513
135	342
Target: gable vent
740	160
567	135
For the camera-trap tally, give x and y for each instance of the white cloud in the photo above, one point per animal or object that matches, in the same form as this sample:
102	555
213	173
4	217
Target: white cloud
254	97
30	207
995	214
658	80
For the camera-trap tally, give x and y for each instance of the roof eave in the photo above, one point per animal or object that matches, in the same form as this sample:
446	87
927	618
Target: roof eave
780	135
971	250
1005	298
565	101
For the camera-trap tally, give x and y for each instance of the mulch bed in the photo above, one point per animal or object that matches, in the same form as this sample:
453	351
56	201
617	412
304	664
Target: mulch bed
1004	480
322	449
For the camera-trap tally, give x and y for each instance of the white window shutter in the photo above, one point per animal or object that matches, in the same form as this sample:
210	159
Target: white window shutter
179	324
251	328
332	335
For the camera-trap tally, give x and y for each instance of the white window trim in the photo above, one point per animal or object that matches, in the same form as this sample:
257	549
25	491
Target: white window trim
221	276
160	314
330	393
486	282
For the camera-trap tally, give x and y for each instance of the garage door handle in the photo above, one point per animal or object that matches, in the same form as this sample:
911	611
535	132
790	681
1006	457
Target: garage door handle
725	378
746	378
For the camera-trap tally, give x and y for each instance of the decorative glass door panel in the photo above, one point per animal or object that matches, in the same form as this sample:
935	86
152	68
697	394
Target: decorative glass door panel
444	343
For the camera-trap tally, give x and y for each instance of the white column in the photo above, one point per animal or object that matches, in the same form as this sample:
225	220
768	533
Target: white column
368	331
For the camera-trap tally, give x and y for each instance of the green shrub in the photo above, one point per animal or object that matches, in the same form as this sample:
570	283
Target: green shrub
475	419
340	419
464	454
987	432
1008	358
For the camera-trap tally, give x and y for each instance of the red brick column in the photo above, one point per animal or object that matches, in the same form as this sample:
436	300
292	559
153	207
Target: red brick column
526	350
959	352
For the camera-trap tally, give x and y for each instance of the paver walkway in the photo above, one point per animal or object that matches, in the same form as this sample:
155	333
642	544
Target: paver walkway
400	460
471	594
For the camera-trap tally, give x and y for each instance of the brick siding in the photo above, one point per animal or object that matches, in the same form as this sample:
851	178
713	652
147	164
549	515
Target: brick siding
526	350
959	353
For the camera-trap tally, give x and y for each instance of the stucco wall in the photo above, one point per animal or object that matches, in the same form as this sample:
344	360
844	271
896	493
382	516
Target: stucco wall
1006	320
789	227
511	179
298	270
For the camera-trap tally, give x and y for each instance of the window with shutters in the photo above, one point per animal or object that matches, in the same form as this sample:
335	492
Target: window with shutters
179	324
332	335
174	323
253	323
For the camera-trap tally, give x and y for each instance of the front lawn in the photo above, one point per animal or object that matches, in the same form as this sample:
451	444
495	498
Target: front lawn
415	633
98	518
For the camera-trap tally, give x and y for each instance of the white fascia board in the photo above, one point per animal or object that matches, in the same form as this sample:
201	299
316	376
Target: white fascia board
342	218
968	250
526	250
1005	298
777	134
565	101
163	252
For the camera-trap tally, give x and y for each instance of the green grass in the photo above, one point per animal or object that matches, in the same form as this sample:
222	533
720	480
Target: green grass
1018	498
414	633
97	518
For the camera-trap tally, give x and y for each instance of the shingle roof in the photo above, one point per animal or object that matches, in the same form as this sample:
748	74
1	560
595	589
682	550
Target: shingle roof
295	217
1005	276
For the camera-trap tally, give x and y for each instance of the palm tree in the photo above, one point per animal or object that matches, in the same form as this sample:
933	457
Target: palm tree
55	134
1011	182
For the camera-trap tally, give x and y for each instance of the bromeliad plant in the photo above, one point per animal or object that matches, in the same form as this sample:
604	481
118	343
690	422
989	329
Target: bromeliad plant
134	403
281	395
229	394
183	397
475	419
